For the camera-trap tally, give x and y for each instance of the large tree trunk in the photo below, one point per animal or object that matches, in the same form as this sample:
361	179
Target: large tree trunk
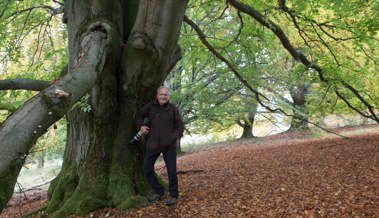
99	167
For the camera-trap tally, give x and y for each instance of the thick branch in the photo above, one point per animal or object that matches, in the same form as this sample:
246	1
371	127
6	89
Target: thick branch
25	84
21	130
273	27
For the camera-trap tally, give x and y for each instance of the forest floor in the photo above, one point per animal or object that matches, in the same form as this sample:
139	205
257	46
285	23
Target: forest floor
284	175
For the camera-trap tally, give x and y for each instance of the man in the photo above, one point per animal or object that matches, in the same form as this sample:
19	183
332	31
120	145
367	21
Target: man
164	127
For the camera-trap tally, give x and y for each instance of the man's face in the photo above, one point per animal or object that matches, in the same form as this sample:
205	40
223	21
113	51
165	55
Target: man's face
163	96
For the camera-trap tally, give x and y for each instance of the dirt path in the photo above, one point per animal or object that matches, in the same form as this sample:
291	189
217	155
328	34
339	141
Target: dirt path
330	177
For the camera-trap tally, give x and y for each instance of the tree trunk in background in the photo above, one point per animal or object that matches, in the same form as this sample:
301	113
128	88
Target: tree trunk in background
41	159
99	168
248	122
300	118
247	131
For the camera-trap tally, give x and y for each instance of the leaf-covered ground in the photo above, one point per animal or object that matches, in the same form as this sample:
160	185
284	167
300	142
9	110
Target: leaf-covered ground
280	176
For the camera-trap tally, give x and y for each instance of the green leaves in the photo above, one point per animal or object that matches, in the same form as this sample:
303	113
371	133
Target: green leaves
31	40
32	45
83	104
339	36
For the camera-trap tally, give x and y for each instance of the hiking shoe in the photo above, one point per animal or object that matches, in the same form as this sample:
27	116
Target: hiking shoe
154	197
171	201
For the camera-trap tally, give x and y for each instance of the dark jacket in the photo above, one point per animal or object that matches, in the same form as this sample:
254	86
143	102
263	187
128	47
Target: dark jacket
165	122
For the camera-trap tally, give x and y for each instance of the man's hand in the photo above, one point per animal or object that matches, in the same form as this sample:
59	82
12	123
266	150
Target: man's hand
145	130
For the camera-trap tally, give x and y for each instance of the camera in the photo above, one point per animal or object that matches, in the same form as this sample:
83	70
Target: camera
136	138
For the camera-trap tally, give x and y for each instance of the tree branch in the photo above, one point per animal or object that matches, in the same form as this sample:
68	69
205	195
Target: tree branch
321	26
58	2
326	45
203	39
25	84
257	94
40	40
53	11
21	130
298	56
26	27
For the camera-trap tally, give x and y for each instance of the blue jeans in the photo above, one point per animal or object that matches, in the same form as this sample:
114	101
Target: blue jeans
169	156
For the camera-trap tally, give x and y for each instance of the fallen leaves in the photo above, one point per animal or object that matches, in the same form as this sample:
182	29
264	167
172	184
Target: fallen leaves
312	178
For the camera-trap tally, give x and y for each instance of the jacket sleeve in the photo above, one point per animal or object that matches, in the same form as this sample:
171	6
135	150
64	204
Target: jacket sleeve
141	115
178	124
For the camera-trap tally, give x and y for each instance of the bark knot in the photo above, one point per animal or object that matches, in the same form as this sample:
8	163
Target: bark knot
141	41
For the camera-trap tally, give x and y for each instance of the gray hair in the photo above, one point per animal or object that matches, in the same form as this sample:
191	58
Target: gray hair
162	87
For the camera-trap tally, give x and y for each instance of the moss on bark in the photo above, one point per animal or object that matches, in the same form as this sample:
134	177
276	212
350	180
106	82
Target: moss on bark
120	184
87	195
69	194
126	180
8	179
62	187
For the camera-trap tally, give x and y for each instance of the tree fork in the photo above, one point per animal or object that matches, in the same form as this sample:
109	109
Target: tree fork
108	170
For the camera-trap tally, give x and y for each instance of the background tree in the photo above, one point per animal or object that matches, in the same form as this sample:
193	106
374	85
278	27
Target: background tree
331	72
343	88
231	36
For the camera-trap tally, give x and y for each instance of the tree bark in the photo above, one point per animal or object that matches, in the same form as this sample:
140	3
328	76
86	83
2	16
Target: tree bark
99	168
247	131
25	84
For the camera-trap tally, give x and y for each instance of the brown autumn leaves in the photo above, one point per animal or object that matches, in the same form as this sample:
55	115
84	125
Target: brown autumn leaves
279	176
